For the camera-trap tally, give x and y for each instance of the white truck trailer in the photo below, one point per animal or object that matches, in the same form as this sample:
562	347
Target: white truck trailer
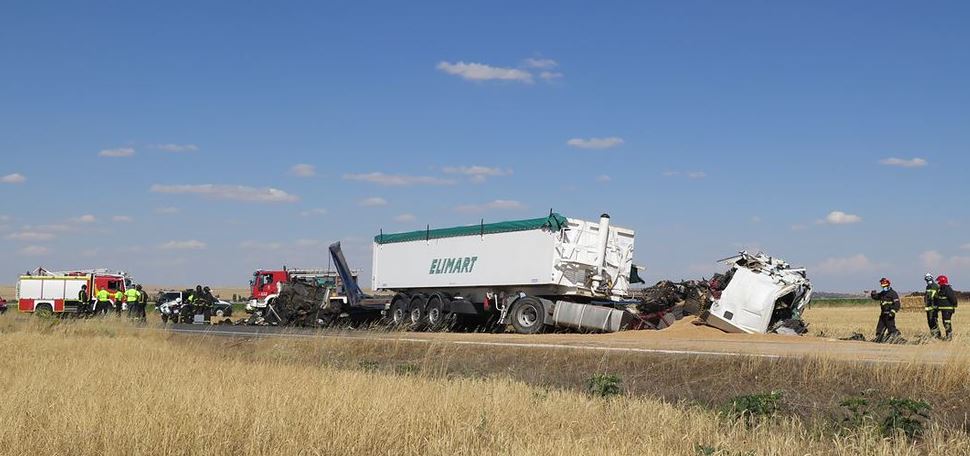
530	274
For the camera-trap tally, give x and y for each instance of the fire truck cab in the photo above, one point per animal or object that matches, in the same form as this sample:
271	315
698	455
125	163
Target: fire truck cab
57	291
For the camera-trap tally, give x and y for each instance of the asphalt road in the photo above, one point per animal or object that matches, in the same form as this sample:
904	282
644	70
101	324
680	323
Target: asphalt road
689	342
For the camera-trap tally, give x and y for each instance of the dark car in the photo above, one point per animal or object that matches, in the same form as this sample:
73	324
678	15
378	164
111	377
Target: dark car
169	298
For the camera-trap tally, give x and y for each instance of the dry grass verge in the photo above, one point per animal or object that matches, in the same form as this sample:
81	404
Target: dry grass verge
92	387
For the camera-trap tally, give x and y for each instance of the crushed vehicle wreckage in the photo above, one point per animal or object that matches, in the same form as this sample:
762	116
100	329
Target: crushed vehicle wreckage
757	294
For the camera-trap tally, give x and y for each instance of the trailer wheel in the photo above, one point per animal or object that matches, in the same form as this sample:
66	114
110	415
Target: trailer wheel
399	310
416	311
44	310
435	313
527	316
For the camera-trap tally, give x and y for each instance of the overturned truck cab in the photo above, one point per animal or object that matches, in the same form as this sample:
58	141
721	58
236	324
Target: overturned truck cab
759	294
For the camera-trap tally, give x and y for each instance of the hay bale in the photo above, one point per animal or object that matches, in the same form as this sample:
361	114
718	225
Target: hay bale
912	304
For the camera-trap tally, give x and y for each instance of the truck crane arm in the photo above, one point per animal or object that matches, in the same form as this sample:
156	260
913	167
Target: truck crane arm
354	294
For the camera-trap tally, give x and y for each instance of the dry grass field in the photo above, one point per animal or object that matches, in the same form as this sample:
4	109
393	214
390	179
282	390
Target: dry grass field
105	387
843	321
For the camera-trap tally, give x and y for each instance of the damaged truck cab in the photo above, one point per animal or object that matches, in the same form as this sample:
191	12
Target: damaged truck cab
759	294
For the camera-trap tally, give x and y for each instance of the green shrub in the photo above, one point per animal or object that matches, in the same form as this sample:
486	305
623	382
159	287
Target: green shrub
754	407
905	415
407	369
604	385
859	411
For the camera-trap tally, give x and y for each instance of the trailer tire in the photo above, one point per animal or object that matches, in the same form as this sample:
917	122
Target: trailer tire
527	316
435	313
44	310
416	312
399	311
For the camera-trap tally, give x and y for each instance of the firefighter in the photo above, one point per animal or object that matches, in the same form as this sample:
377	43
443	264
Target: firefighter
946	302
131	297
142	303
119	297
929	300
889	304
82	300
104	302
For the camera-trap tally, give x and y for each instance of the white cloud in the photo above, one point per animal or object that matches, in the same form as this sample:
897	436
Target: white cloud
603	178
405	218
303	170
34	250
483	72
494	205
840	218
229	192
904	163
314	211
847	265
177	147
86	218
933	259
260	245
965	246
397	180
595	143
478	174
550	75
122	219
117	153
29	236
51	227
183	245
540	63
15	178
373	201
688	174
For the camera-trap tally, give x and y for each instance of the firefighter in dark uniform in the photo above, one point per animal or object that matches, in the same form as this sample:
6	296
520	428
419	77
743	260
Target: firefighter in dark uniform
142	303
83	300
946	302
929	299
889	304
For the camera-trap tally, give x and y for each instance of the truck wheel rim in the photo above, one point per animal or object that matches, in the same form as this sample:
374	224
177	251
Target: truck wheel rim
416	316
528	316
434	315
398	315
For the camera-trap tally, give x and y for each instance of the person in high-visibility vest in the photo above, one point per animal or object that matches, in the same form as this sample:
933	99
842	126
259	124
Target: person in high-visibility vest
888	306
946	301
119	297
131	297
932	312
104	302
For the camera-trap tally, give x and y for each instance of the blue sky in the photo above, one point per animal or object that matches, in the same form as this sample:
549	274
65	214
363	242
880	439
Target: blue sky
166	139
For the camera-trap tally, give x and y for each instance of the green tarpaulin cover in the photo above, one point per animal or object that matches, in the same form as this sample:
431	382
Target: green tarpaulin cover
553	222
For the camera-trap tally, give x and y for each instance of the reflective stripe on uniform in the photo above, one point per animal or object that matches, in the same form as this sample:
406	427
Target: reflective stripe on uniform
947	308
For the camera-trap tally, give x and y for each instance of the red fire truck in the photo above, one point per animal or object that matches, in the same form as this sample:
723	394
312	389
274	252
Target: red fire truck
56	291
264	286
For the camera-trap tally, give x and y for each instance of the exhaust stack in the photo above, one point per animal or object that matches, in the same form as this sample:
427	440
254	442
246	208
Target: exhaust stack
604	239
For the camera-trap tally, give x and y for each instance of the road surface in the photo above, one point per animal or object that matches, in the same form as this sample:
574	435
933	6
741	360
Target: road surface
682	339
